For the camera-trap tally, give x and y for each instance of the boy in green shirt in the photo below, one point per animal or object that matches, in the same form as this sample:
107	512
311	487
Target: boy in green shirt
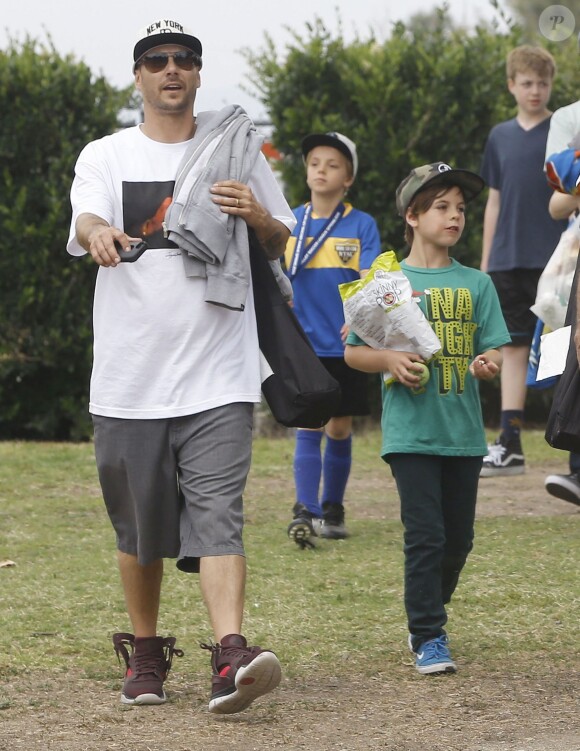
433	436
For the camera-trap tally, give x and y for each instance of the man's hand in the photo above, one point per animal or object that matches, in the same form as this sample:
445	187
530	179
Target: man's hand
103	248
237	199
98	238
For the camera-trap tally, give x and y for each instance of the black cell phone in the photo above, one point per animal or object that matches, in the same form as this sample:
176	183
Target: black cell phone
137	249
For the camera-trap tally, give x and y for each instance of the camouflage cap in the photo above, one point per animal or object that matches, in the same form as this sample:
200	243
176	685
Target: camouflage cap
438	172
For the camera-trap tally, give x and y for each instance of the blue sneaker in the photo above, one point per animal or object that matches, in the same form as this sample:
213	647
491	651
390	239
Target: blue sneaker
434	656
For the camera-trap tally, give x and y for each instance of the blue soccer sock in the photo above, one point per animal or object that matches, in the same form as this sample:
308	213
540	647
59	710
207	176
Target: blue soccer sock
512	421
336	469
308	469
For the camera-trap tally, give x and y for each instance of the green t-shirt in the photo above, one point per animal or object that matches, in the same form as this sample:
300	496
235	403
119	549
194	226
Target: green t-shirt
444	418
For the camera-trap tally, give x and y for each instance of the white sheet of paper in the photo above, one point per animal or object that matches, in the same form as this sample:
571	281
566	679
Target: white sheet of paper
553	353
265	369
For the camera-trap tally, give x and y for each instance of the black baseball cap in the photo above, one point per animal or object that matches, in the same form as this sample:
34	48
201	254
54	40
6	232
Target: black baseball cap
337	141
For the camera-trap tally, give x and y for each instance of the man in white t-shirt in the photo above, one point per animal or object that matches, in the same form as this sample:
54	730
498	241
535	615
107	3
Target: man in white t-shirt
174	378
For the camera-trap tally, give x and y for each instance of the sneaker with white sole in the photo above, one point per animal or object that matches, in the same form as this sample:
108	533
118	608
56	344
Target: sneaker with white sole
503	459
240	674
565	487
433	656
333	527
147	662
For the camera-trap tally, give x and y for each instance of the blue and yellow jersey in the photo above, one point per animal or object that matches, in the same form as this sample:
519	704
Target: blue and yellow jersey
353	245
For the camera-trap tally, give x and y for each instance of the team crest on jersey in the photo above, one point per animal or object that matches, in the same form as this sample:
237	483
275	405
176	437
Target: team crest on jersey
346	251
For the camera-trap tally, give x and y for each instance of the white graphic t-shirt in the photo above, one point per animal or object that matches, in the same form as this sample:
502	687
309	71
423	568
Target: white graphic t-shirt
159	349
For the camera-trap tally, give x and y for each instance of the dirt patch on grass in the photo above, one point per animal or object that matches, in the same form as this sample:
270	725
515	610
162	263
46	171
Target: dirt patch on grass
514	709
521	495
465	712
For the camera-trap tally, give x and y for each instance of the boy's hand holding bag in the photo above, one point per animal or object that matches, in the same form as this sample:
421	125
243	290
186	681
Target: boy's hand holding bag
382	311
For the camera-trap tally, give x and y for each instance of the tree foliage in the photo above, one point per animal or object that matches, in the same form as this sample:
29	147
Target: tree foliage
528	13
51	107
425	94
430	92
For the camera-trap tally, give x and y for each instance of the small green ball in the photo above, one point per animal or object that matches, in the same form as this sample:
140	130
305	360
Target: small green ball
423	374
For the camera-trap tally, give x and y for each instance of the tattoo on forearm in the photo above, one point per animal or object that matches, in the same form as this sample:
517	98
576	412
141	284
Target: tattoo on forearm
275	244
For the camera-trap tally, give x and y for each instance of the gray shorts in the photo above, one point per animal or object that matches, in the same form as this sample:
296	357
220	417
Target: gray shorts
173	487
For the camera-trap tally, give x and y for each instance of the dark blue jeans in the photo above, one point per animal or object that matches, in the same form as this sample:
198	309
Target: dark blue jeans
438	495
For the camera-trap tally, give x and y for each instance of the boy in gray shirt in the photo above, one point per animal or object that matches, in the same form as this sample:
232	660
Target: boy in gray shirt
519	236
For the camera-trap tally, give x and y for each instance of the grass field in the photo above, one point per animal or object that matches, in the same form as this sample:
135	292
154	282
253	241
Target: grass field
60	603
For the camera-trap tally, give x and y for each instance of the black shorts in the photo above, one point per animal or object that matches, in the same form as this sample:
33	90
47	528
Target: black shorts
516	290
353	386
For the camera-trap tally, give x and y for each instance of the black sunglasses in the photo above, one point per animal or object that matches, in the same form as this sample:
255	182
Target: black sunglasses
156	63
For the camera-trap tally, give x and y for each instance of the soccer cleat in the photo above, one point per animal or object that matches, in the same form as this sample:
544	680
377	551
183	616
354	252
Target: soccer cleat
433	656
240	674
303	526
147	665
565	487
503	460
333	522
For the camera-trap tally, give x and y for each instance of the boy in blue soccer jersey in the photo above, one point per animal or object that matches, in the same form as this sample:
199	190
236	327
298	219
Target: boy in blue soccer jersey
433	437
332	243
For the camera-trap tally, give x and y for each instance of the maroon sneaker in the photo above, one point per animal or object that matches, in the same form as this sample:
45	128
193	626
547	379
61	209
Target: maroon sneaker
240	674
147	666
